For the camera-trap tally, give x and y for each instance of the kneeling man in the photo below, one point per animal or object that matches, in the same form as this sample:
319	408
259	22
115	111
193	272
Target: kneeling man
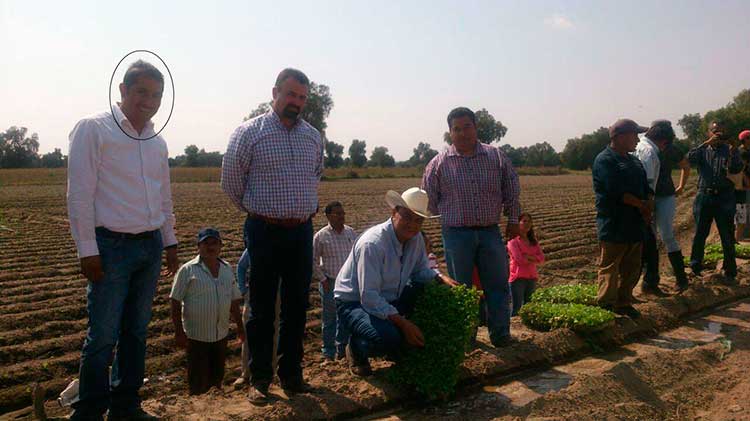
377	287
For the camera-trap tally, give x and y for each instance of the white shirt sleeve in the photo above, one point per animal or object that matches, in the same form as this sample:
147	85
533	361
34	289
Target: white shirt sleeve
167	229
84	157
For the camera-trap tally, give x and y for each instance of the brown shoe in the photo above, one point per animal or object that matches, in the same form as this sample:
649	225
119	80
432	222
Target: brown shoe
258	395
296	386
358	366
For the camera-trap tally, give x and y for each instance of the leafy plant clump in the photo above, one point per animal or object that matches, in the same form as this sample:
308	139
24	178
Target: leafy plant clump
714	253
447	318
567	294
580	318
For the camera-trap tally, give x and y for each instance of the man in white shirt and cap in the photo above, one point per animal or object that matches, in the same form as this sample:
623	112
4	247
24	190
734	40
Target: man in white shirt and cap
377	287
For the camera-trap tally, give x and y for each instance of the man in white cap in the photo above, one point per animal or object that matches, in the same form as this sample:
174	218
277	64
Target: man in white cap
377	287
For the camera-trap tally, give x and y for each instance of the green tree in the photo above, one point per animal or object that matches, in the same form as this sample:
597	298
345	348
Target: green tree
191	156
422	155
580	152
691	126
54	159
317	108
489	129
381	158
358	153
542	155
517	156
18	150
334	154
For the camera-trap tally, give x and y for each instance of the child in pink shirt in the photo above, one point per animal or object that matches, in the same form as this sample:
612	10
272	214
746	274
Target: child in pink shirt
525	255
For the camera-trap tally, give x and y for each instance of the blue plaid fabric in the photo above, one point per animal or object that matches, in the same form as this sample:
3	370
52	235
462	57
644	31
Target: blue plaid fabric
271	170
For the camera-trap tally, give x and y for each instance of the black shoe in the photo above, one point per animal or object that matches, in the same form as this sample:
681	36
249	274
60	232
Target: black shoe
358	366
730	280
608	307
628	311
501	341
653	290
258	394
137	414
296	386
682	288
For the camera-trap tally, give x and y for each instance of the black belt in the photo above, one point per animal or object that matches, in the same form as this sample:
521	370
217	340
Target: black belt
145	235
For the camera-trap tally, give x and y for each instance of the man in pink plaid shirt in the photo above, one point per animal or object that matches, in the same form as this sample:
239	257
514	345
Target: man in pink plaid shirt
470	185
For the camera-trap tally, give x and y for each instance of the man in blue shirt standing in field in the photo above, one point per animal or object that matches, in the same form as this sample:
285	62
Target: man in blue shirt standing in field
624	205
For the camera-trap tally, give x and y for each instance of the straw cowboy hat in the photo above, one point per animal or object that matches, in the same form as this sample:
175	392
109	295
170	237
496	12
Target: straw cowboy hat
414	199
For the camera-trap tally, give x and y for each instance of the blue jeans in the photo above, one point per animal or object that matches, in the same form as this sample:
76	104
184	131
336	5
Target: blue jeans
335	334
664	212
521	290
484	248
119	308
277	254
372	336
720	209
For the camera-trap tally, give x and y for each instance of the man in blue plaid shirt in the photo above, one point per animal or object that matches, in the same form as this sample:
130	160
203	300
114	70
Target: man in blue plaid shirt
271	171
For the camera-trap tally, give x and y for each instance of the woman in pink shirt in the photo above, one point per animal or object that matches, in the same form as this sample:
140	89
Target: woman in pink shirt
525	255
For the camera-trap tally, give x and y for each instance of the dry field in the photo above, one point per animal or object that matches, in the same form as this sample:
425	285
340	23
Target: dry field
42	295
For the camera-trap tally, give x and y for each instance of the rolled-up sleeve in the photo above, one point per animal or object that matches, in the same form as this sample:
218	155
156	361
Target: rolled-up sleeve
511	189
431	184
167	229
370	279
83	163
235	167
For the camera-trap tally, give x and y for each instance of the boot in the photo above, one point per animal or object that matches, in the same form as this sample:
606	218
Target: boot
678	266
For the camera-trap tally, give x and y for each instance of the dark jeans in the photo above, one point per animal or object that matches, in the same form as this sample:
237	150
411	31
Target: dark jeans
335	335
521	290
119	308
650	259
277	254
205	365
721	209
483	248
372	336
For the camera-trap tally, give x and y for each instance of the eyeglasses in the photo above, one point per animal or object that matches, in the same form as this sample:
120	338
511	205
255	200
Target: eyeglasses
409	216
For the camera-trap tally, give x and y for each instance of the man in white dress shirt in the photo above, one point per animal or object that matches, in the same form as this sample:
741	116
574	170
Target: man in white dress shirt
120	211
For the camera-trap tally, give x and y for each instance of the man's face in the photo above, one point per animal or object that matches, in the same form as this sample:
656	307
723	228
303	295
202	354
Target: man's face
142	100
627	141
718	130
337	217
289	99
406	223
463	132
210	248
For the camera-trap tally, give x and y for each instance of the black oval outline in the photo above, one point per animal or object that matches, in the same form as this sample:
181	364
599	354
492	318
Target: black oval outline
171	80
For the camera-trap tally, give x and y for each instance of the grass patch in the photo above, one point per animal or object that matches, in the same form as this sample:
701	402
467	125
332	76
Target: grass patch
567	294
448	318
580	318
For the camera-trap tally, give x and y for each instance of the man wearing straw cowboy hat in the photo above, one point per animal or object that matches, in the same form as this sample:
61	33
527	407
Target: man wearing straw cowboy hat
377	287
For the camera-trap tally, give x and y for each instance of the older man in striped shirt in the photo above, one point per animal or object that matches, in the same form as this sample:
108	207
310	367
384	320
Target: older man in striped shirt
470	185
271	171
204	295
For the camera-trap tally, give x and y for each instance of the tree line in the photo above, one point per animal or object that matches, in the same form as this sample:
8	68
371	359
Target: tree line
18	149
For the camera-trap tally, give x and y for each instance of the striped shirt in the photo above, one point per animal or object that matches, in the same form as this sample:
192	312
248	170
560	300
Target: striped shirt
330	250
714	164
206	301
472	190
274	171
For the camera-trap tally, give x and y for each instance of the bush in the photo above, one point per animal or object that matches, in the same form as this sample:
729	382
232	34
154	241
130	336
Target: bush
581	318
567	294
448	319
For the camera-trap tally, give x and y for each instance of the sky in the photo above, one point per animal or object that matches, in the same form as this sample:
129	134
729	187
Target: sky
548	70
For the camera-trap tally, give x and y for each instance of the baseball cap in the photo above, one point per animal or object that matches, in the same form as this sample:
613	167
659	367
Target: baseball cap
625	125
744	134
208	233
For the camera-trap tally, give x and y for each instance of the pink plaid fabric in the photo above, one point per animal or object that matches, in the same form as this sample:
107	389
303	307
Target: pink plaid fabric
271	170
472	190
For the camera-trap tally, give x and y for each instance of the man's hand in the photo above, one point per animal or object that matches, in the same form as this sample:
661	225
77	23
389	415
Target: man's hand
447	280
714	140
173	262
91	268
180	339
647	210
411	332
512	231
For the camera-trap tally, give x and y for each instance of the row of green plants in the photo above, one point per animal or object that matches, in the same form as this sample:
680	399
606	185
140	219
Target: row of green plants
713	254
568	306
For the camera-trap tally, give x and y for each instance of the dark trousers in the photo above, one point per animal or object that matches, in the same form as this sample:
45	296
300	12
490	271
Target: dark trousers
521	290
650	259
720	209
205	365
277	254
372	336
119	310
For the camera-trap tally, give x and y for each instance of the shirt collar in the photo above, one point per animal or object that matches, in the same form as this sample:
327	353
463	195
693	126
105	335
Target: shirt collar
199	263
122	119
277	120
478	150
